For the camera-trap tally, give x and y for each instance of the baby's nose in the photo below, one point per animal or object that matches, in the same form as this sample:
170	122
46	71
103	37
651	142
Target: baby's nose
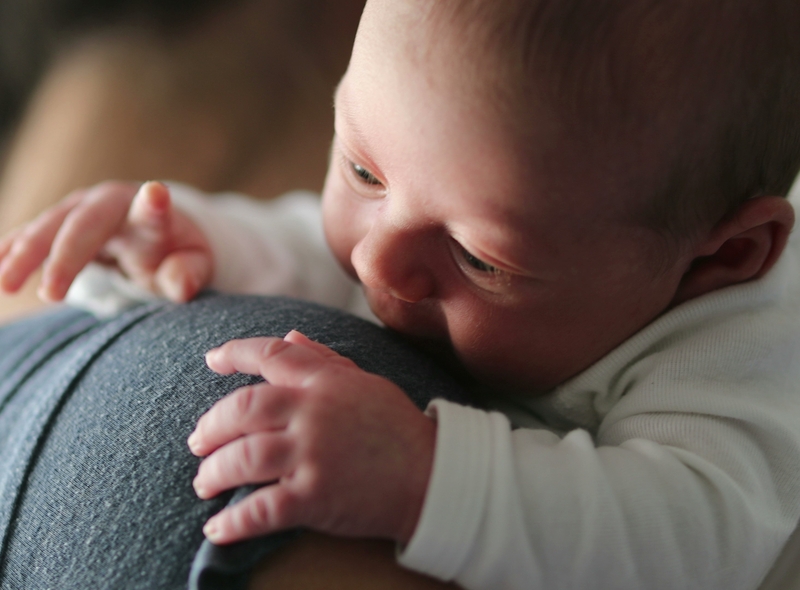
393	260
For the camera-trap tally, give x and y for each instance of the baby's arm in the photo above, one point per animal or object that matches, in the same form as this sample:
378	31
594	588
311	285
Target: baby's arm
348	453
272	247
267	248
689	482
504	509
135	229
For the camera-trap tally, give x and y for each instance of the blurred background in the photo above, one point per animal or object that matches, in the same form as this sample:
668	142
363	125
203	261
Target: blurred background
224	95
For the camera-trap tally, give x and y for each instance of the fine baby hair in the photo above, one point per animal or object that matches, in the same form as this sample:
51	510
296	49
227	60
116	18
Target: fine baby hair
706	93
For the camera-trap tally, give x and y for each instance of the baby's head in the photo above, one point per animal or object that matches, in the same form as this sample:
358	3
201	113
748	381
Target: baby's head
533	181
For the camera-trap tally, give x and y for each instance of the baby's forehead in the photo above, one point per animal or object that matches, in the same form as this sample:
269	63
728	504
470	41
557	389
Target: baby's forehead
471	66
681	96
491	53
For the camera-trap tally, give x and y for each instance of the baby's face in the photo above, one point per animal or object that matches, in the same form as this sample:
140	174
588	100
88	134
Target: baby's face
513	256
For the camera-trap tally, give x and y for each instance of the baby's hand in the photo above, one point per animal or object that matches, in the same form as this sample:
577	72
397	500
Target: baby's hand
135	229
346	451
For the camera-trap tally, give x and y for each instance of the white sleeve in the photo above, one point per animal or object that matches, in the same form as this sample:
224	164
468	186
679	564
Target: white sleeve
689	478
267	248
524	509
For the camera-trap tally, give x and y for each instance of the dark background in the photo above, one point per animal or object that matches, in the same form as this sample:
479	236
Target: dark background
32	32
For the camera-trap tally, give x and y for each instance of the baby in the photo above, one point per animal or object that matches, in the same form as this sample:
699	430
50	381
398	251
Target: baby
581	203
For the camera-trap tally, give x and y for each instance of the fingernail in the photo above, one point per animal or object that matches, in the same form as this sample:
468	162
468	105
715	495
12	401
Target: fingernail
211	531
192	441
199	490
43	292
52	288
176	289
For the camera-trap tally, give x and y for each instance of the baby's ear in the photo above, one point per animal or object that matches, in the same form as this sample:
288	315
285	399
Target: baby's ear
742	247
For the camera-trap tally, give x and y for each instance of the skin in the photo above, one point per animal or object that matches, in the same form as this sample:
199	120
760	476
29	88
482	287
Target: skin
441	245
520	266
523	266
136	229
327	563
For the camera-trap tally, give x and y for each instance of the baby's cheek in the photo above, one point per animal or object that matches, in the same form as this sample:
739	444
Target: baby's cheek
335	236
504	348
343	224
342	249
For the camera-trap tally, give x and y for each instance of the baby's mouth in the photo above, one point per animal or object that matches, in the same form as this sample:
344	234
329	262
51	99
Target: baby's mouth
421	320
423	325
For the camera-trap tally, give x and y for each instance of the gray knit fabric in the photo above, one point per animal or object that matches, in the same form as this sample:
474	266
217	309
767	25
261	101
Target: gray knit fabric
95	474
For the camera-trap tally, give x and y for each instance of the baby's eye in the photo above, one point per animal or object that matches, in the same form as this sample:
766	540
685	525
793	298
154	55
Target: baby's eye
364	175
482	274
478	264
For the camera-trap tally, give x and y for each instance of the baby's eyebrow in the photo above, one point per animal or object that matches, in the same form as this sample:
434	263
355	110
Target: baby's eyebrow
342	106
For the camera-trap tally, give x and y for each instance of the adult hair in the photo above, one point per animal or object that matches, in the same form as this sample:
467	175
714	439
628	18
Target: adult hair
703	96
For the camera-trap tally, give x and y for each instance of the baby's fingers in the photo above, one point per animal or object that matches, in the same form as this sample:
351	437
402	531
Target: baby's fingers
257	458
25	249
279	361
150	211
142	236
301	339
6	242
183	274
267	510
84	232
248	410
5	248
